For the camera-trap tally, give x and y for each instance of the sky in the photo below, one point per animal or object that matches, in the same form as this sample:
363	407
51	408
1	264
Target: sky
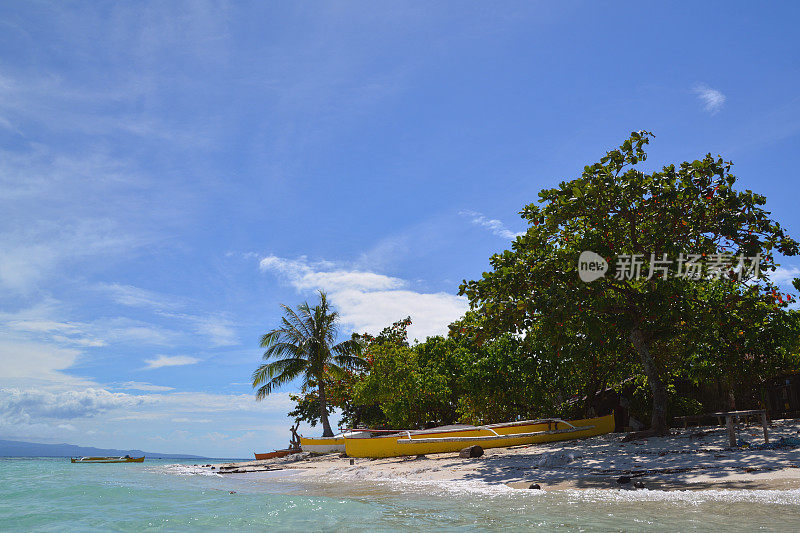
170	173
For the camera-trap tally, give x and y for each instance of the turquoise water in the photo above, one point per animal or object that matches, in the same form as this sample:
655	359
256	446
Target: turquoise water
54	495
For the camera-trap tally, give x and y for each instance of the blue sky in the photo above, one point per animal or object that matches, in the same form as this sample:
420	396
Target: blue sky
170	172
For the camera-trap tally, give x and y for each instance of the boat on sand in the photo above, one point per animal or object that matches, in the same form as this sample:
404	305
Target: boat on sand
396	443
333	444
276	454
125	459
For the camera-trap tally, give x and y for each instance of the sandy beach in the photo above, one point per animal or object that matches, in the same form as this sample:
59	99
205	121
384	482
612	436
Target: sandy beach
696	458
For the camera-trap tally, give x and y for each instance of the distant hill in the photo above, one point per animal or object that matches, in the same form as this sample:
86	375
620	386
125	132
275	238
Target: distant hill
13	448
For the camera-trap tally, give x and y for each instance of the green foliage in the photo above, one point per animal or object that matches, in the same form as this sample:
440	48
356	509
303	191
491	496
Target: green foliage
540	342
307	407
615	208
409	394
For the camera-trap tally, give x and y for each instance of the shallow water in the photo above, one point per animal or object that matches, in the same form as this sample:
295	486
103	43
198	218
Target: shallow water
53	495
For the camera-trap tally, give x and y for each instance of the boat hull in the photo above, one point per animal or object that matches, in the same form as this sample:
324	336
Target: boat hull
275	454
108	460
323	445
399	444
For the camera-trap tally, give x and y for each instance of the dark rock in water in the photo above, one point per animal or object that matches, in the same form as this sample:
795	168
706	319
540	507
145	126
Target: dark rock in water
421	456
623	480
343	455
470	452
535	486
213	468
638	485
352	461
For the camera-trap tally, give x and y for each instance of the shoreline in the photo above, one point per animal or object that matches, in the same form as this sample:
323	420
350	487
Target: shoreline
696	458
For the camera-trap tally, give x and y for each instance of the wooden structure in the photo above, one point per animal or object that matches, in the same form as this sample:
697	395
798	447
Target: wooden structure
729	422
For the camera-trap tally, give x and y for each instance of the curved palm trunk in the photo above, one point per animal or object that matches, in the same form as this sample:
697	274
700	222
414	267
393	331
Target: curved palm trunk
323	411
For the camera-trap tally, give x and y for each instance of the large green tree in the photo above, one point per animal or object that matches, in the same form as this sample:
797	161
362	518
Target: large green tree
666	222
304	346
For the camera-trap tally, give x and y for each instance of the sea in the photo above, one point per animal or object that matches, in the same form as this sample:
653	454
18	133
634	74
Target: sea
51	494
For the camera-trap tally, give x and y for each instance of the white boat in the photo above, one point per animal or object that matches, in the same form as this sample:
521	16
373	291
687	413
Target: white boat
333	444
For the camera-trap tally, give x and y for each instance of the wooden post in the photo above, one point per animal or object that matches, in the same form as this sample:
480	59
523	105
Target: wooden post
764	423
731	430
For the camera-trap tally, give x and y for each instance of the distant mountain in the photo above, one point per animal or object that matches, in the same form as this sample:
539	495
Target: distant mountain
13	448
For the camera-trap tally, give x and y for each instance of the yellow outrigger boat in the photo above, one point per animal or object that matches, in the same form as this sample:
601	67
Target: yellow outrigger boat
422	442
126	459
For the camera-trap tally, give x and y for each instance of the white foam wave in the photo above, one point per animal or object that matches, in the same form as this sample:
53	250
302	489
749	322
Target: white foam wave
186	470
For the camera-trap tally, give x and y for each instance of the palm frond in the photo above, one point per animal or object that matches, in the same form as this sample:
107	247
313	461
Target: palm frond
299	324
277	373
350	361
282	349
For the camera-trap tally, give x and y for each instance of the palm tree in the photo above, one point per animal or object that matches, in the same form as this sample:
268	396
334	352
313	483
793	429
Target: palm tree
303	346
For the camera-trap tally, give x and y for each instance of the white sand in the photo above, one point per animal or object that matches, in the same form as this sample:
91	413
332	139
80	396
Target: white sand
697	458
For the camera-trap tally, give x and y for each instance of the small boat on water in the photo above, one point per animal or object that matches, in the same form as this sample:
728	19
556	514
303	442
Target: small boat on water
125	459
276	453
452	439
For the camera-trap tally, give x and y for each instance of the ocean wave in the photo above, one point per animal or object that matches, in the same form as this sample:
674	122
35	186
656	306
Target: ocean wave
184	470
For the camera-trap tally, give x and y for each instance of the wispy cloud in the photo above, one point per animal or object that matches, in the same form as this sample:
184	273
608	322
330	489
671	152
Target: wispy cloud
368	301
170	360
492	224
712	99
137	297
141	385
219	329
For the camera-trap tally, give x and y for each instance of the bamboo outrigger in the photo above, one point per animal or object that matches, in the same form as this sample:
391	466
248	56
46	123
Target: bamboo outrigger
443	440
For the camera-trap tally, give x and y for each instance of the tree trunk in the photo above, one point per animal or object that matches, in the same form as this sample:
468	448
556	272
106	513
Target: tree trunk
658	420
323	411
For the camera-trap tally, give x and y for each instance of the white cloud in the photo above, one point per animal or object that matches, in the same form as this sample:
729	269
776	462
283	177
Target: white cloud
23	405
170	360
31	413
784	275
64	333
20	360
367	301
712	99
141	385
304	276
137	297
492	224
217	328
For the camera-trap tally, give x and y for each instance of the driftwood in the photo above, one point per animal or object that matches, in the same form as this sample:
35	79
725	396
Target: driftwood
294	442
470	452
